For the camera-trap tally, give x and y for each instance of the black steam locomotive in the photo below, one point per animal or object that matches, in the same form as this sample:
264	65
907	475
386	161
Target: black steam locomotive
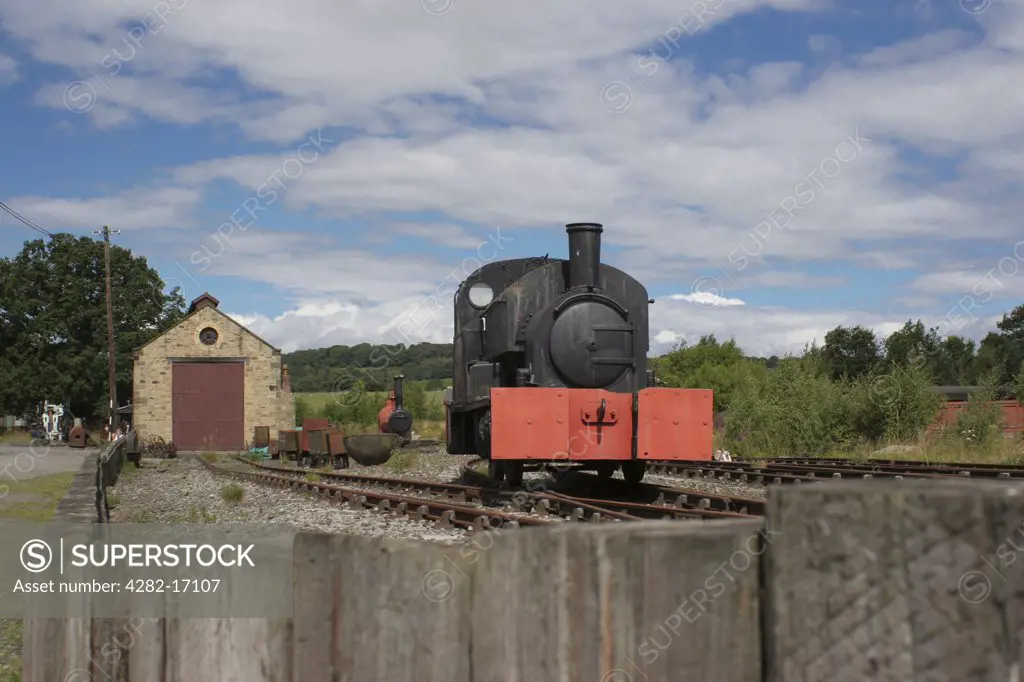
550	363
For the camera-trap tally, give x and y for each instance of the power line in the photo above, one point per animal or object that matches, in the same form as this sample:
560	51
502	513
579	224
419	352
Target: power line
17	216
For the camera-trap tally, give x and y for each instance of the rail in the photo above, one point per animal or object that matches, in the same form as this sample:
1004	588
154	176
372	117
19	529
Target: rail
860	580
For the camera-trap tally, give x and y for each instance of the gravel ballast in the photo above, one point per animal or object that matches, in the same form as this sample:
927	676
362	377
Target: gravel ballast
182	490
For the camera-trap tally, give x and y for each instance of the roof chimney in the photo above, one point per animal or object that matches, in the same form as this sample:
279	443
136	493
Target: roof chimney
204	300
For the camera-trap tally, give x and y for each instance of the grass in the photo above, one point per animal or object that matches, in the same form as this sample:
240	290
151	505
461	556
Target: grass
10	649
24	438
34	499
15	438
232	492
403	460
938	449
198	514
211	457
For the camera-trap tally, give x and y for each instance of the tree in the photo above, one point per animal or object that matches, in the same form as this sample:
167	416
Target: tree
914	345
1012	324
53	322
956	366
707	364
851	352
1011	329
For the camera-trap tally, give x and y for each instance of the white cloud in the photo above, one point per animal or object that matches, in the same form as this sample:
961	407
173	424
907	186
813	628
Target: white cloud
793	279
139	208
494	116
758	330
707	298
8	70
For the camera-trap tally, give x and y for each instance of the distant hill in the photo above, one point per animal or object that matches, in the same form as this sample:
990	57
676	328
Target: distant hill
338	367
321	370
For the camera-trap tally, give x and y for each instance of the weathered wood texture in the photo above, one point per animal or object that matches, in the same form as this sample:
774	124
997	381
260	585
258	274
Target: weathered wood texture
61	649
844	581
895	582
375	612
617	603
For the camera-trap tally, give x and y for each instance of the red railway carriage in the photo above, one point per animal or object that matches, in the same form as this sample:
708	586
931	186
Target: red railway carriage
551	364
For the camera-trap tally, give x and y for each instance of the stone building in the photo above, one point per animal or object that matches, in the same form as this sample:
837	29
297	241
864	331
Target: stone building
208	381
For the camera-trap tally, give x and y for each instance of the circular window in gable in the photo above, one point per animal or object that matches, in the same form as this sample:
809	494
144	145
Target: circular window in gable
208	336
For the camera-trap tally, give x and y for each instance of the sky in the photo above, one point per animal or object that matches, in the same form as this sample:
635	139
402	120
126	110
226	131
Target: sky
330	171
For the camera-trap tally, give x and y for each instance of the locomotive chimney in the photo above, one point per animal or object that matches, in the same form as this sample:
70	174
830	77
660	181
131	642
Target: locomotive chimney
584	253
398	392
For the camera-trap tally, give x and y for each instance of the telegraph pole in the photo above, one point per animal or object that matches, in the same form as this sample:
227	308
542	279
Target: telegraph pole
111	368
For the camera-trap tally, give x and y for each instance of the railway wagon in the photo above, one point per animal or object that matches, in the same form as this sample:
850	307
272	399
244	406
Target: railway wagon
550	364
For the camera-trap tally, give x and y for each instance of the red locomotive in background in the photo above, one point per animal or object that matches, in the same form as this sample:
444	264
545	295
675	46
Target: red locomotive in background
550	363
393	417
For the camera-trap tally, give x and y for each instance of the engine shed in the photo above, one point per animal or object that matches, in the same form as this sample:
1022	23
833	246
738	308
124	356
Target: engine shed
205	383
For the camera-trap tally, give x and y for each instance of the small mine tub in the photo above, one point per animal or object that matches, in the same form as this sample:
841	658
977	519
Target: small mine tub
372	448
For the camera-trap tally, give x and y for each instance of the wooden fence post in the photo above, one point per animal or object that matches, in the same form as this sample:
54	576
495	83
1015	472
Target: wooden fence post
619	603
894	581
395	615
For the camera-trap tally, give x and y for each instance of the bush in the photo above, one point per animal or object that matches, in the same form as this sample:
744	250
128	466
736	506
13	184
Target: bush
979	421
362	411
794	410
798	410
303	410
1018	385
893	406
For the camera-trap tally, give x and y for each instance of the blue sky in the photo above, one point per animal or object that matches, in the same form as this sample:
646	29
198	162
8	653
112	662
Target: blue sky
769	168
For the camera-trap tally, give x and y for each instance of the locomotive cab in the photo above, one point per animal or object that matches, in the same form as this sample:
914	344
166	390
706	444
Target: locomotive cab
550	362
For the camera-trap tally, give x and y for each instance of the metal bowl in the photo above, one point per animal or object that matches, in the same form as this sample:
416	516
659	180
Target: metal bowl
372	448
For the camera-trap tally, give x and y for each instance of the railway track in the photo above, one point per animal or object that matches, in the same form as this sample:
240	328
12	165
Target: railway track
793	470
614	492
444	513
419	500
965	469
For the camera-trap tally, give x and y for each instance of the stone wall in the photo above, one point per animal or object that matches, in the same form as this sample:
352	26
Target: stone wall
264	406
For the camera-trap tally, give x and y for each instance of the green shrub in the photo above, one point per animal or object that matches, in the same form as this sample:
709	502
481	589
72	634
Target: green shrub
798	410
979	421
232	492
894	406
794	410
1018	385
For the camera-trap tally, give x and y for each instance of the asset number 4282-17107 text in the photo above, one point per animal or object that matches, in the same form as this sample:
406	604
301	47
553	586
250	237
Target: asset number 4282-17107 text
178	585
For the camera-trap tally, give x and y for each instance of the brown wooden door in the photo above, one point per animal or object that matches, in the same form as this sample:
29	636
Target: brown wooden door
208	405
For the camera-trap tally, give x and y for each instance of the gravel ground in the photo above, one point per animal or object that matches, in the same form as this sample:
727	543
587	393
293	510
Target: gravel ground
753	491
181	490
430	463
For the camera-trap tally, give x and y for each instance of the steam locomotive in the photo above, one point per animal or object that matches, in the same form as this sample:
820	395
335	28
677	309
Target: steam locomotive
550	364
393	417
